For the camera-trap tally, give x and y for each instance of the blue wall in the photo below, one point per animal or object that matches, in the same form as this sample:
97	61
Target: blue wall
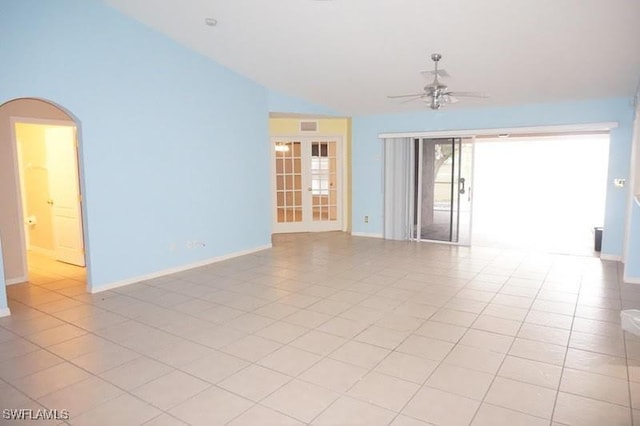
173	145
367	154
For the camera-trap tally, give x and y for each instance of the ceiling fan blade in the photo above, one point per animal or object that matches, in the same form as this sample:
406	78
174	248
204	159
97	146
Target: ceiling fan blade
406	96
450	99
441	73
468	94
415	98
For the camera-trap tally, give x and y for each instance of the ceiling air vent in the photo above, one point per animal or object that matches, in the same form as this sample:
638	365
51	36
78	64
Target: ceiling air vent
308	126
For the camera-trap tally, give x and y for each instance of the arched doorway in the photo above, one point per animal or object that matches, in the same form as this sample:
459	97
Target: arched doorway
39	160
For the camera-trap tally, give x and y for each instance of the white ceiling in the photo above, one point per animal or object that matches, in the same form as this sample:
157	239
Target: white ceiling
350	54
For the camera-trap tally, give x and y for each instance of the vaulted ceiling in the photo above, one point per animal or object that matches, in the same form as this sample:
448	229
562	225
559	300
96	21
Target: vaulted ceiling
350	55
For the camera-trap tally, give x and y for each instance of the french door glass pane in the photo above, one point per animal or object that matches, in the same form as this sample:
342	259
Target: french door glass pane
323	181
288	182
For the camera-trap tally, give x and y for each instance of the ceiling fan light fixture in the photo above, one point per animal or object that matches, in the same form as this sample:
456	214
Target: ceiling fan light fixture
436	94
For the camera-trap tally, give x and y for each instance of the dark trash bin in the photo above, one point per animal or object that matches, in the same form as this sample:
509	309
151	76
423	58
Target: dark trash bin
597	245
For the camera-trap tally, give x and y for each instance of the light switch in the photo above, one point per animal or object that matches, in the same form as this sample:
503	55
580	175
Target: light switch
619	182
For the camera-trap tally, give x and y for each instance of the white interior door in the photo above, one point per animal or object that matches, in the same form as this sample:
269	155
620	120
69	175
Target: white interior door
65	194
307	184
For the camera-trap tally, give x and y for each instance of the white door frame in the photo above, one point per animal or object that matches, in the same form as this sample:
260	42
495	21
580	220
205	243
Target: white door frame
341	173
569	128
13	120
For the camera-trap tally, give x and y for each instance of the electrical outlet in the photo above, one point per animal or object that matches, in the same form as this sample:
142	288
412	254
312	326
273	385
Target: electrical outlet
191	244
366	219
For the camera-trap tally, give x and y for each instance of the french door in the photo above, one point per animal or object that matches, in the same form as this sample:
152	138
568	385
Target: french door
307	184
442	189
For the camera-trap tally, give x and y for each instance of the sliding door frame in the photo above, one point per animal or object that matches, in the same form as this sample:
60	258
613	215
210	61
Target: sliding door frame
473	133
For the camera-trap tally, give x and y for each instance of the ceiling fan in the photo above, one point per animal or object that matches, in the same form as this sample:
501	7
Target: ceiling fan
437	94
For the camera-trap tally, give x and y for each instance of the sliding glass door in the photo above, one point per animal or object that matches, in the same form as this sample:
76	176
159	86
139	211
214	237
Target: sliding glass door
442	189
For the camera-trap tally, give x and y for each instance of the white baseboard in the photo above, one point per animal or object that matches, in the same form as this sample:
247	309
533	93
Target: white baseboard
5	312
365	234
122	283
631	280
18	280
613	257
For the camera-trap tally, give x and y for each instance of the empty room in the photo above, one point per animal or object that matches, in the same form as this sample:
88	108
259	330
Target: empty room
319	212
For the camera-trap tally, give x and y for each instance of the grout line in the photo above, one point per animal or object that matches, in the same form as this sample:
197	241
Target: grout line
564	360
452	267
533	299
624	342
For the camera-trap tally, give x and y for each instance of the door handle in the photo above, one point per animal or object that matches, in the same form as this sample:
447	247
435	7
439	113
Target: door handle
462	182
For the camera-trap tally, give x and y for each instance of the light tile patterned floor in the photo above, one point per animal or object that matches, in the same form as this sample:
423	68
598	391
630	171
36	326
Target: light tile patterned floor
328	329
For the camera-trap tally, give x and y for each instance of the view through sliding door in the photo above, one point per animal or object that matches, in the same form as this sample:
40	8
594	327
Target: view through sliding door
442	189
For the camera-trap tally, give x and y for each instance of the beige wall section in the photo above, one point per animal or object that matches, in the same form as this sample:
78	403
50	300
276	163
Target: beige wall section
33	156
10	221
329	127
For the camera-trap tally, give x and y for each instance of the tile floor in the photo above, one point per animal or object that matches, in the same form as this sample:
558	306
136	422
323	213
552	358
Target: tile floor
328	329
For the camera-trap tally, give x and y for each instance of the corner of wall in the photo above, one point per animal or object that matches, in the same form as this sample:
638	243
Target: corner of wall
109	286
632	229
281	103
4	306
